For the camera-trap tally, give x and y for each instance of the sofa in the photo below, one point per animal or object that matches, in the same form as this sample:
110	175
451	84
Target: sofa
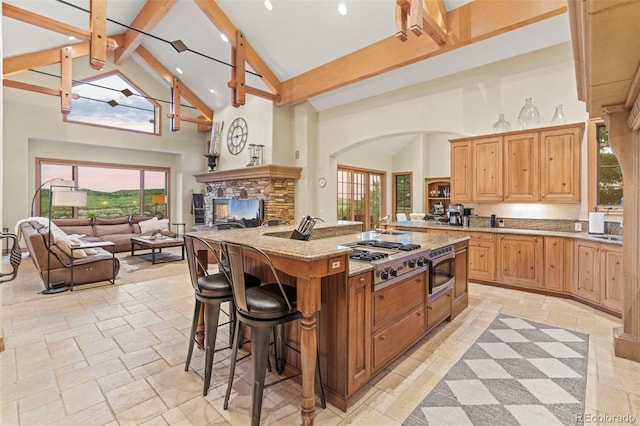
118	230
89	265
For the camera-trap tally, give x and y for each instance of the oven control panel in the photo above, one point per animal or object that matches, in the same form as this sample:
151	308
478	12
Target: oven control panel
435	254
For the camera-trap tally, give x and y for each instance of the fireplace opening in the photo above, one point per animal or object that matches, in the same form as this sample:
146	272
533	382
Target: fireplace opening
249	211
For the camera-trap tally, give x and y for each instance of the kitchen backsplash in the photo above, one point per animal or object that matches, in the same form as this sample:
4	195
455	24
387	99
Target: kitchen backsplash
562	225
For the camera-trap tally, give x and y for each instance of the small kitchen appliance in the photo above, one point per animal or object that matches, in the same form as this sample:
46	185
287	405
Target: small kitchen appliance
596	223
456	212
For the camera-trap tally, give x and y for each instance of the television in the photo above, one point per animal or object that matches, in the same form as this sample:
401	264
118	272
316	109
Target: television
248	211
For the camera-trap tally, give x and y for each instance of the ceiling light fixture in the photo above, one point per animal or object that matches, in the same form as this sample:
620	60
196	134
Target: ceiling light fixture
342	9
224	38
179	46
268	5
179	70
72	38
212	91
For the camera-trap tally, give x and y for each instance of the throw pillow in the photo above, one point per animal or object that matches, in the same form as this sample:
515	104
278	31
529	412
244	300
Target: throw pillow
164	224
63	242
150	225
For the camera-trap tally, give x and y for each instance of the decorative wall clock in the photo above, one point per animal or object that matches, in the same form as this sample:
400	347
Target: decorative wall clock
237	135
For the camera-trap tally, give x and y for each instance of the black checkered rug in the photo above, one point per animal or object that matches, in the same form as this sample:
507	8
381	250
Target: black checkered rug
518	372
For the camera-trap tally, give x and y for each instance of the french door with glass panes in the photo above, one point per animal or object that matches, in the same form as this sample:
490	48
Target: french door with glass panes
360	195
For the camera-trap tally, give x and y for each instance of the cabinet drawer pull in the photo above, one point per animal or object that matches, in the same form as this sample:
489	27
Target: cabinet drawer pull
429	307
381	338
361	280
381	297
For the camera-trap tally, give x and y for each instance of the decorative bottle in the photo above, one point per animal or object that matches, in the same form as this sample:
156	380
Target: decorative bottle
558	117
501	125
529	116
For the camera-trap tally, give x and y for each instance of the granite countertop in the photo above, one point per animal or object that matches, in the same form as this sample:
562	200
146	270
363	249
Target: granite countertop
424	224
274	240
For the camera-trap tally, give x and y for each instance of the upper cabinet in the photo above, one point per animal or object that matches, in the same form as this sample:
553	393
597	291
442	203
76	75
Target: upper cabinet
534	165
461	170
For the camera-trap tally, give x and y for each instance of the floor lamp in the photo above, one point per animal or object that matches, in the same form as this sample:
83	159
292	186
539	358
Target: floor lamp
159	199
67	196
33	200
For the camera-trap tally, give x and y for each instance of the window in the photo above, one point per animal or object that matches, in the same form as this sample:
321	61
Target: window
112	189
402	195
605	175
112	101
360	195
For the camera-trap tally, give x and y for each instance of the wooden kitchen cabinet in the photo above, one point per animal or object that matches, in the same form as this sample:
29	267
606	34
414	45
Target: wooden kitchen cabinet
461	286
359	332
520	260
399	318
487	169
555	263
461	172
482	256
612	277
436	191
587	270
560	161
520	167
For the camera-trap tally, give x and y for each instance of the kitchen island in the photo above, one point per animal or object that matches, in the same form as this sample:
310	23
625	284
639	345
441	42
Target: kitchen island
357	333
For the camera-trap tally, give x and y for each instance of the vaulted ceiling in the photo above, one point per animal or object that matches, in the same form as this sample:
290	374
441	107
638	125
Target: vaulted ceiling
300	50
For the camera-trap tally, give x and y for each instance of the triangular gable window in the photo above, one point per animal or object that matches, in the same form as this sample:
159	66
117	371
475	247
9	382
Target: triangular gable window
110	100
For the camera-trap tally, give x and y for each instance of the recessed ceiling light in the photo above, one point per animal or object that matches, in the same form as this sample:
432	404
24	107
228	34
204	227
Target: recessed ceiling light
342	9
212	91
268	5
179	70
72	38
224	38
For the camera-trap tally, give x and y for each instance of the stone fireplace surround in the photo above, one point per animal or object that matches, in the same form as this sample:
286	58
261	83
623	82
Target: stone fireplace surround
272	183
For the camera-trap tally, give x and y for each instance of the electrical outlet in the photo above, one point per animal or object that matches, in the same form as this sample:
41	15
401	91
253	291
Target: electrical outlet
578	226
500	223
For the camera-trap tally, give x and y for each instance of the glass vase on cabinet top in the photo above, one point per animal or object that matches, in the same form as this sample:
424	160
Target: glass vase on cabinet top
501	125
529	116
558	116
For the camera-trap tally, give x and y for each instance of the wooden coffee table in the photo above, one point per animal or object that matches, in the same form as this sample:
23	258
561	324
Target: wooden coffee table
156	245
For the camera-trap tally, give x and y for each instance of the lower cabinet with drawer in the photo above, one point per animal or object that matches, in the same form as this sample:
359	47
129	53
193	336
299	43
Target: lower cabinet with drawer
398	318
439	309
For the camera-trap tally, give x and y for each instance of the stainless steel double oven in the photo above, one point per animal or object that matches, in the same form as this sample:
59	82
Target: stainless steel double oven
442	267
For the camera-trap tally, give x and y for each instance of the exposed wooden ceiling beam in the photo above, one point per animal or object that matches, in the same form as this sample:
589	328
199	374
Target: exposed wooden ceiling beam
35	88
21	63
168	77
215	14
98	30
50	24
151	13
471	23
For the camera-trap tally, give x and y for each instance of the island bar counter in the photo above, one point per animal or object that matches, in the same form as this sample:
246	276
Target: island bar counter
312	265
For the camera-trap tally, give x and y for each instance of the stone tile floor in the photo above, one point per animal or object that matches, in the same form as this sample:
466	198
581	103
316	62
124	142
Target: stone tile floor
114	354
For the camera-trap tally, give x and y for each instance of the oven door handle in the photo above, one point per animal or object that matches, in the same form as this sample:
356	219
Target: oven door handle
438	260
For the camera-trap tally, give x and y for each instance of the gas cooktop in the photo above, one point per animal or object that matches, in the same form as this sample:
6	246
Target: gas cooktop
388	245
389	259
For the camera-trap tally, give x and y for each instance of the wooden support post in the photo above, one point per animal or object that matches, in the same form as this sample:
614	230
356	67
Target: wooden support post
402	8
98	29
66	64
175	105
415	17
238	59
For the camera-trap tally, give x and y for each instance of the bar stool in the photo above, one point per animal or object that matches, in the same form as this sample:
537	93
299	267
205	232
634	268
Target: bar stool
262	308
211	290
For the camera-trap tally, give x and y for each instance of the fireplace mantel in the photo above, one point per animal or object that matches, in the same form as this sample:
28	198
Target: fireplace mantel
254	172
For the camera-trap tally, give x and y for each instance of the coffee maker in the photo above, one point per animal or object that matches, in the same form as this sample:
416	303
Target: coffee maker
456	212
